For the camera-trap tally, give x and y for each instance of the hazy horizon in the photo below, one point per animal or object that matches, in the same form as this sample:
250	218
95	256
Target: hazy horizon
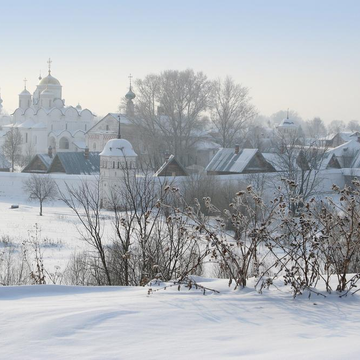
301	56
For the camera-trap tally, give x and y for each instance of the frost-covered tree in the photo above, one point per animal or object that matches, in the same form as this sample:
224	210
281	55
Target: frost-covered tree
170	110
231	110
12	146
336	126
353	125
315	128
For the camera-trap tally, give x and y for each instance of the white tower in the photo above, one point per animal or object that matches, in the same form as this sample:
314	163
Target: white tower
24	98
288	128
117	160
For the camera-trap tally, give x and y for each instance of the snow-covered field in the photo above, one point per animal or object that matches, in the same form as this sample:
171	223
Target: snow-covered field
64	322
57	322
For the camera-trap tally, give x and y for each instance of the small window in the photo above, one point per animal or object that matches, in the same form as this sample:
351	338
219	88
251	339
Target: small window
113	164
118	165
85	127
94	146
107	127
26	137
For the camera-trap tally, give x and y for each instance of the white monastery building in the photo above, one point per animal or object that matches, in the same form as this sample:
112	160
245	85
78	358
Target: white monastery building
44	120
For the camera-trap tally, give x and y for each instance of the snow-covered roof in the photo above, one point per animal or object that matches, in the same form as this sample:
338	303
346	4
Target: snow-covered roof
79	144
46	159
27	124
350	149
288	124
206	144
123	118
169	161
280	163
118	147
274	159
345	135
76	163
225	160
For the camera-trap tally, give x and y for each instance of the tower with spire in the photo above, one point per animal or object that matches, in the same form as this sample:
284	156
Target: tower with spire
130	96
287	127
24	97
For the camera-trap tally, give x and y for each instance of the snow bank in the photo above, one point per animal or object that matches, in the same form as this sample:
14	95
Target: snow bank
58	322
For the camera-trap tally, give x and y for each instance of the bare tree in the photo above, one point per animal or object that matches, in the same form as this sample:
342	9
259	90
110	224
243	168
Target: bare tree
231	110
12	146
170	109
40	187
85	202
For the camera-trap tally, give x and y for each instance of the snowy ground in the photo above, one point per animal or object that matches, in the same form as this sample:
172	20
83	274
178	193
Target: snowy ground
59	322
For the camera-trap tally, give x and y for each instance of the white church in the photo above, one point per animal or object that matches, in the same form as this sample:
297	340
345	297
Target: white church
44	120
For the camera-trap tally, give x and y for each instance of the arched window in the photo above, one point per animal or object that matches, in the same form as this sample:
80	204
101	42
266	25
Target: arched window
94	146
107	127
64	143
52	143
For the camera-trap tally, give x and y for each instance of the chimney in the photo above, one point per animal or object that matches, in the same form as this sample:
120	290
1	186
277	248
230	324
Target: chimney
167	156
86	152
237	149
50	152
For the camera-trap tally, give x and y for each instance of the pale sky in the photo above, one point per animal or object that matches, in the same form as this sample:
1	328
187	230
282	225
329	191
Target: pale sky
303	55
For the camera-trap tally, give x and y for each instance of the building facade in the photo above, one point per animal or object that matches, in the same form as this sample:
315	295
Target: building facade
44	120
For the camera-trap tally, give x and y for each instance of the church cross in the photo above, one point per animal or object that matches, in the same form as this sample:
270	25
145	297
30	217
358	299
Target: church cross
49	63
130	77
25	81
